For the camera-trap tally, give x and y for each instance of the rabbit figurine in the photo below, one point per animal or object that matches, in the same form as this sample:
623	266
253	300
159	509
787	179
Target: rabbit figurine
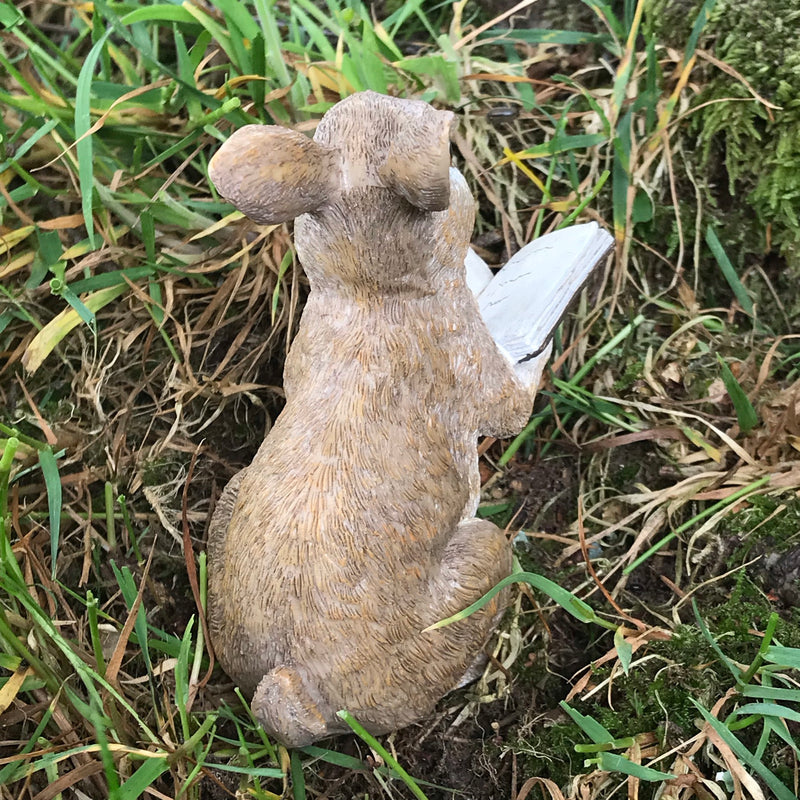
353	528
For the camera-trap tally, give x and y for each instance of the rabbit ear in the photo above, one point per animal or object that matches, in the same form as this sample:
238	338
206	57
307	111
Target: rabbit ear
417	165
274	174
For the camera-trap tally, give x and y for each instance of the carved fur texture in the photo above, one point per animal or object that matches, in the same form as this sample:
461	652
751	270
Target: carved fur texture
352	530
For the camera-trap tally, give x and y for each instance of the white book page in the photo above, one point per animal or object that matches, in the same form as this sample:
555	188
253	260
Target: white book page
525	300
479	274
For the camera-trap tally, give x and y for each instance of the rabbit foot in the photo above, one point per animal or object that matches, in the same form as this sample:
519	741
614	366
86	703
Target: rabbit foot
286	707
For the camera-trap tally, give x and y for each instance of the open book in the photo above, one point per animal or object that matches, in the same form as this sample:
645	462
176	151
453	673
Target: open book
523	303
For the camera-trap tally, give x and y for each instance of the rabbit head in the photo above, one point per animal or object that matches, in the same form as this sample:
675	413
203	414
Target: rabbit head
376	179
273	174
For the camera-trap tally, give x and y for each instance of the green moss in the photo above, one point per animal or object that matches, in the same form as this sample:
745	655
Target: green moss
658	694
625	474
549	751
655	697
633	372
161	470
759	523
759	147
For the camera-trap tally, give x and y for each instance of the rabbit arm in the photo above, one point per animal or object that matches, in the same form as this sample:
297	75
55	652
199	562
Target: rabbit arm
524	302
501	397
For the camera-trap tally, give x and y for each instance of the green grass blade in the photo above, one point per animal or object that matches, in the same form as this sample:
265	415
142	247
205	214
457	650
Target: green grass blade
10	446
141	780
27	144
731	667
443	72
771	693
238	13
217	32
780	791
745	413
182	678
52	480
573	605
544	36
614	762
107	279
186	69
127	585
367	737
314	32
591	727
100	724
86	314
784	656
414	8
607	16
94	633
573	215
780	729
371	64
563	143
769	710
251	772
298	779
332	757
159	12
699	26
766	641
83	122
620	171
625	69
273	54
714	244
624	650
10	16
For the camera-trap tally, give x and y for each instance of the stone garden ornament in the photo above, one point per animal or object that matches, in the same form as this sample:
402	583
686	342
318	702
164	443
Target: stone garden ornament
353	529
